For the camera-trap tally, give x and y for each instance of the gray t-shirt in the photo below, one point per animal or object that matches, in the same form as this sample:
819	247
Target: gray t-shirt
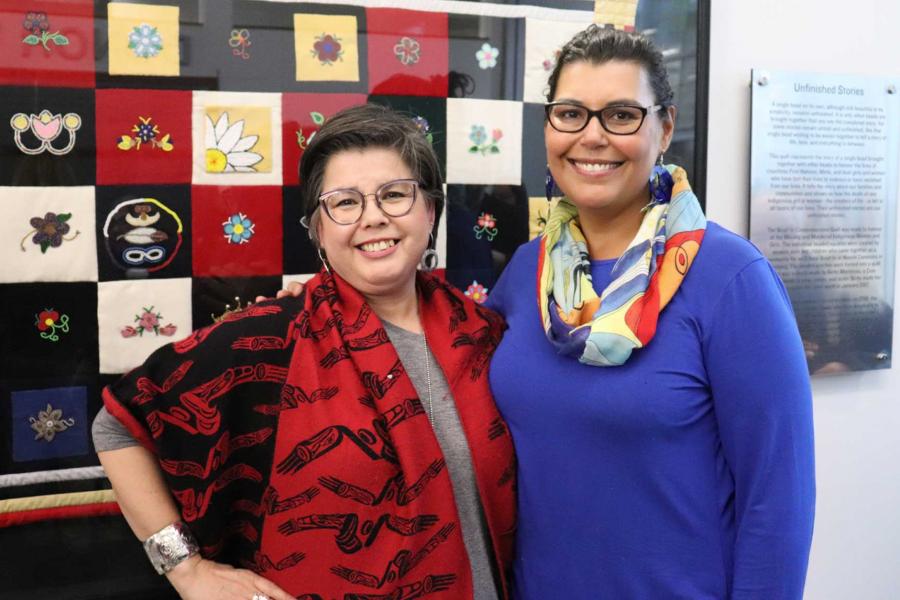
109	434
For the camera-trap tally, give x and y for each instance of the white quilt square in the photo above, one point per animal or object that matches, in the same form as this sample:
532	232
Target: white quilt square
484	141
543	39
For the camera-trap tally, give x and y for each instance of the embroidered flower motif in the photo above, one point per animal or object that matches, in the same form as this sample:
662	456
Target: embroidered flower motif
487	56
407	51
549	63
49	422
145	132
479	139
238	229
148	321
49	321
477	292
328	49
423	126
46	127
487	225
239	42
37	26
49	231
229	310
226	150
145	41
317	118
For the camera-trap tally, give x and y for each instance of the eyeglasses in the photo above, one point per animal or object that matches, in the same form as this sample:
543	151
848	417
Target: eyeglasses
619	119
394	198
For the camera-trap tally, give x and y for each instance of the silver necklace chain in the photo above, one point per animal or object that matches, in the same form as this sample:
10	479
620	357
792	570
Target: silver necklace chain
428	376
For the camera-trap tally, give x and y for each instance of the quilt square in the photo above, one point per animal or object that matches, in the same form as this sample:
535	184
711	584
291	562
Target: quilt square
143	39
326	47
48	234
484	141
137	317
534	152
48	329
484	59
47	43
213	298
485	225
143	231
299	253
144	136
408	52
430	115
543	40
50	137
302	114
237	138
236	231
49	423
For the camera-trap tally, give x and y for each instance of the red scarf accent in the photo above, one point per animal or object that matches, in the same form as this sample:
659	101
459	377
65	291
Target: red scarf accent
295	443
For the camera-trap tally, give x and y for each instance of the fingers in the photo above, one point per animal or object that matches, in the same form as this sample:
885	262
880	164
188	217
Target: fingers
263	299
283	294
268	588
295	288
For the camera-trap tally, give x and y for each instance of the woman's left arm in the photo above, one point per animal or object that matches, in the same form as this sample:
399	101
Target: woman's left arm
760	386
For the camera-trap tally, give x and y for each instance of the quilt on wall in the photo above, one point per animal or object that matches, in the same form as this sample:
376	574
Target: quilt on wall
148	176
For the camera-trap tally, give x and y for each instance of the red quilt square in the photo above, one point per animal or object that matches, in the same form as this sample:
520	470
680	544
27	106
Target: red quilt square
47	43
408	52
236	230
301	117
143	136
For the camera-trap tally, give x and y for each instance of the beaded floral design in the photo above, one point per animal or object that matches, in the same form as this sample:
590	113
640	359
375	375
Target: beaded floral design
227	148
145	41
424	127
486	225
328	49
407	51
148	321
238	229
49	422
480	142
49	232
549	63
303	141
145	132
46	127
38	27
239	42
49	322
477	292
487	56
229	309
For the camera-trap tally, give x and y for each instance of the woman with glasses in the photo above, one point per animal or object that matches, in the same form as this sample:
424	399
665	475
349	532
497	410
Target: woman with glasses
655	386
343	444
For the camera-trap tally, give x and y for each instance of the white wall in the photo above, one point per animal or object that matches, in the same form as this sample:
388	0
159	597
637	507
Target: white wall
856	547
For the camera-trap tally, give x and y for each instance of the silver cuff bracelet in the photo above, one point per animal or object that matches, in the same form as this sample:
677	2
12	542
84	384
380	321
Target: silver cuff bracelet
170	546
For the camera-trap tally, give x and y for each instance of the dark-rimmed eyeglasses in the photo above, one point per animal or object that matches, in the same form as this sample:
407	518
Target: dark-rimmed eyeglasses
618	119
346	206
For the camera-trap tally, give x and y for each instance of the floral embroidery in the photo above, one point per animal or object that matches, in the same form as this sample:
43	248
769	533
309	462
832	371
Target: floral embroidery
487	225
238	229
239	42
49	321
226	150
549	63
148	321
477	292
328	49
145	132
479	139
319	119
49	231
407	51
145	41
487	56
49	422
37	26
423	126
46	127
229	310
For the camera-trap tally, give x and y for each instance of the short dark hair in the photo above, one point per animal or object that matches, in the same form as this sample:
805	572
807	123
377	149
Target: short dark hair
370	126
598	45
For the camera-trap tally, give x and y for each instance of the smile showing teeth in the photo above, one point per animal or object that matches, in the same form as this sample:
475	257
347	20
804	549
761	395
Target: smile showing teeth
376	246
595	167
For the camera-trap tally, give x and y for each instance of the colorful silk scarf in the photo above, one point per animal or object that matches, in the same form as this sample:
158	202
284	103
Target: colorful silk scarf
295	444
603	330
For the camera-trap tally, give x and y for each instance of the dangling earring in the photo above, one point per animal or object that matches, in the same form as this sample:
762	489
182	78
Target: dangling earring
429	260
661	182
322	258
549	184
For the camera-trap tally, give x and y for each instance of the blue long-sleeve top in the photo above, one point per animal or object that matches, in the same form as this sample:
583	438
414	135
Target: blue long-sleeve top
687	472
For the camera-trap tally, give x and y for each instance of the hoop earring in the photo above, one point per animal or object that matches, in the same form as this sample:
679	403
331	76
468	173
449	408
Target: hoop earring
322	258
429	260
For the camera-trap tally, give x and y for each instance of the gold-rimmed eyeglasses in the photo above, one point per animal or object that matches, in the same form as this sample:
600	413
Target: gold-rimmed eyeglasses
617	119
346	206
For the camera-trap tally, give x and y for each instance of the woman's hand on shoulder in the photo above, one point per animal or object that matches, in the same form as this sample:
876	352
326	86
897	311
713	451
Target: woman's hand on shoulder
200	579
294	288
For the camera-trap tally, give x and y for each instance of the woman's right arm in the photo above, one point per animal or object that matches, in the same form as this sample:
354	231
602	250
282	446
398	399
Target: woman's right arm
148	507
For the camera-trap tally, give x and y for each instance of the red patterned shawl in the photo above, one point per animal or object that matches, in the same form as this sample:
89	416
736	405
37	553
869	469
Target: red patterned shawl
295	444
